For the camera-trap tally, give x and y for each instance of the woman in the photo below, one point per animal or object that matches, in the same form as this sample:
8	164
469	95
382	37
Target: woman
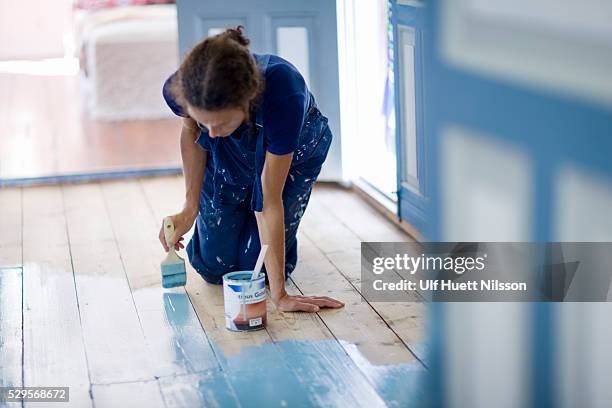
252	143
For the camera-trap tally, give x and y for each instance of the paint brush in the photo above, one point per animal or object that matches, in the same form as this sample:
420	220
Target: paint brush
173	267
260	261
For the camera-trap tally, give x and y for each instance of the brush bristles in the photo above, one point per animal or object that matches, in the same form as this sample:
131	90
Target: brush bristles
173	274
172	268
172	281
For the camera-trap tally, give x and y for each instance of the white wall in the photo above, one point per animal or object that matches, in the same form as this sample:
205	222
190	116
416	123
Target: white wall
33	29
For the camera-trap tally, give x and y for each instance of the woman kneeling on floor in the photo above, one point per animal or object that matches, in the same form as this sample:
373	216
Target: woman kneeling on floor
253	142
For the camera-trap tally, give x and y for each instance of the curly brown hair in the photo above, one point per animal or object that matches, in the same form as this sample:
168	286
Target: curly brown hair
219	73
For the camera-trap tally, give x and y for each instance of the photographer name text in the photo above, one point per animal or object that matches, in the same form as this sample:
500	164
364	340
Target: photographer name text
449	285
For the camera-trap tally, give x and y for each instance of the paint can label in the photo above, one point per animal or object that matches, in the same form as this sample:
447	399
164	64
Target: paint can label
245	301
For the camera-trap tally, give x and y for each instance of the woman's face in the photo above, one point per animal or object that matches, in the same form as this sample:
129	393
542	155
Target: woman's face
220	123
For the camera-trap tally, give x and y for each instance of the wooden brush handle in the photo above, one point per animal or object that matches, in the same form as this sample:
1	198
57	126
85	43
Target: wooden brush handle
168	231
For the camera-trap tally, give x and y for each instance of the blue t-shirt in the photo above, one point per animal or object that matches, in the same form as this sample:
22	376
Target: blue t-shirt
285	102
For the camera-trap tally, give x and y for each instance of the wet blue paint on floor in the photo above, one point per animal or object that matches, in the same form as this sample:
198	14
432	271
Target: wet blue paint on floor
192	350
289	374
299	374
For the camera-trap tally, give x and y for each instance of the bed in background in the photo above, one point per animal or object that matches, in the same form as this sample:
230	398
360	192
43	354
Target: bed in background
127	49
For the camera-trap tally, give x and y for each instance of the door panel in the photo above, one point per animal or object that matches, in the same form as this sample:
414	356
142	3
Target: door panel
407	95
407	21
303	32
292	41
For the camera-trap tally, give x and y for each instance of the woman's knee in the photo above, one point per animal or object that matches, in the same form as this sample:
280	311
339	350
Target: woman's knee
211	270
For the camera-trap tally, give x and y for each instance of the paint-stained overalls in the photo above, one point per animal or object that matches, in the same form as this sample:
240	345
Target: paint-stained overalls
226	236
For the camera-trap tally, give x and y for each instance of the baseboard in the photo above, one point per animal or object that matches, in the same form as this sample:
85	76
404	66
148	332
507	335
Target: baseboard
89	177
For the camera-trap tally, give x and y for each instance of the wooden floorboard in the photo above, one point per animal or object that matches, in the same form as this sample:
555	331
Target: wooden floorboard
131	394
114	340
406	319
11	346
357	322
11	227
11	288
54	352
358	216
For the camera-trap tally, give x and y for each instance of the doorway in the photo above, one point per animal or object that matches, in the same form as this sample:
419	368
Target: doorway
367	98
381	81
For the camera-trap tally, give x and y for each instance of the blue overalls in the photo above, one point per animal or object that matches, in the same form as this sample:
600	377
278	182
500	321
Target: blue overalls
226	236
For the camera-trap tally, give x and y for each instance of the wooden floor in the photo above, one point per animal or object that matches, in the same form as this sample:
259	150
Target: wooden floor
46	132
81	305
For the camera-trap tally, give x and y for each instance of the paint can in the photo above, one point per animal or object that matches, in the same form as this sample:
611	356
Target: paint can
245	301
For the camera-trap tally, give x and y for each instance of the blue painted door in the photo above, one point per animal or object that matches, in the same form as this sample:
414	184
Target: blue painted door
408	31
301	31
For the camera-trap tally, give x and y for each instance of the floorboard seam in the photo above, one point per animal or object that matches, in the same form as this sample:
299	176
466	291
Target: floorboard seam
76	295
127	279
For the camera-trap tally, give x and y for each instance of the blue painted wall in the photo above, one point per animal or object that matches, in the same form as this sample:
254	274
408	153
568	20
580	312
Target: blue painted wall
553	130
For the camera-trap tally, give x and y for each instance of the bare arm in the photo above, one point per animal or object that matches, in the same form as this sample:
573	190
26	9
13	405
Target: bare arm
271	221
271	225
194	165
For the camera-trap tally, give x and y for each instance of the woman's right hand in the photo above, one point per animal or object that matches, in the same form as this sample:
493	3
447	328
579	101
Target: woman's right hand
183	221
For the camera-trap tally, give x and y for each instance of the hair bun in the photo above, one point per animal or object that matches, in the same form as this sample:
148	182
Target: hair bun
237	35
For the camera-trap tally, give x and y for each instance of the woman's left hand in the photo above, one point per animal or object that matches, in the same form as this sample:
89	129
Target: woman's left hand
288	303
